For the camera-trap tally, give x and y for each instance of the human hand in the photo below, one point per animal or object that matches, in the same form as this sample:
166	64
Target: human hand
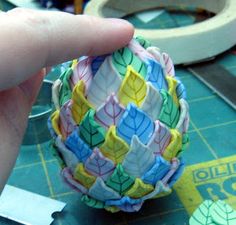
31	41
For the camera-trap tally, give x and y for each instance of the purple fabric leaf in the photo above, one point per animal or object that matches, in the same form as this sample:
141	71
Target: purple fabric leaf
109	113
160	139
83	71
98	165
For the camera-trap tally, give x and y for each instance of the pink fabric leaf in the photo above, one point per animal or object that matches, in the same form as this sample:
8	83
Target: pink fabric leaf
109	113
174	166
169	65
139	51
160	139
83	71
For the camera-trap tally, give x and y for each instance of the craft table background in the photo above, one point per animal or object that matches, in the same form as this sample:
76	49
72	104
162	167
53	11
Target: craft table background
212	134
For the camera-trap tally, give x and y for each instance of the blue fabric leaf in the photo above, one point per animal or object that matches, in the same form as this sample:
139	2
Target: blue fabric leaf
78	146
97	62
156	76
157	172
130	208
180	90
123	201
177	174
135	122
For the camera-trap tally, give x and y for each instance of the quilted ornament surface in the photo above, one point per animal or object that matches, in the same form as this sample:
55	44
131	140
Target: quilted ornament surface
120	126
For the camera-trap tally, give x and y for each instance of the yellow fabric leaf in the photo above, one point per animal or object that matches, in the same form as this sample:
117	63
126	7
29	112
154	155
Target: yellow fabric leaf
133	88
80	105
83	177
55	122
112	209
139	189
114	147
163	194
174	146
172	84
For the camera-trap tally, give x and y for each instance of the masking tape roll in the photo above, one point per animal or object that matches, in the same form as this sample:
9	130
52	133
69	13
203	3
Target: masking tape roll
188	44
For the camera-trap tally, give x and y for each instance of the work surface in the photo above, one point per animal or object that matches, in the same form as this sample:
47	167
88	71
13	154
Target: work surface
210	160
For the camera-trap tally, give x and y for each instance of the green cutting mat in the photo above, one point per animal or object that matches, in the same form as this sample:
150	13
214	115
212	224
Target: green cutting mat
212	134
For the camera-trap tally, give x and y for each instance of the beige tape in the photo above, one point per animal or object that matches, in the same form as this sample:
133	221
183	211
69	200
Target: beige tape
185	44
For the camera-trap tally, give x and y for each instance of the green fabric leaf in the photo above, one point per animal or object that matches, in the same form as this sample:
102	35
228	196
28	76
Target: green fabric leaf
143	42
90	131
124	57
120	181
202	215
65	92
223	214
92	202
170	112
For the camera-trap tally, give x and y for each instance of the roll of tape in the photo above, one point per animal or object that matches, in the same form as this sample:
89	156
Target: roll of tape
188	44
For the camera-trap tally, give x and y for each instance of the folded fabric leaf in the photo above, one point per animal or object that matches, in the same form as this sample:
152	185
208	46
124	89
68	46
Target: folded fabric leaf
133	88
123	58
97	62
68	156
76	145
169	113
55	122
81	175
172	84
183	123
104	85
174	146
110	112
178	173
180	90
65	90
222	213
67	176
92	202
156	76
169	65
98	165
139	51
114	147
101	192
124	201
82	71
160	138
67	124
202	215
80	105
55	93
120	181
90	131
139	189
159	188
126	207
143	42
157	171
174	167
135	122
139	158
153	102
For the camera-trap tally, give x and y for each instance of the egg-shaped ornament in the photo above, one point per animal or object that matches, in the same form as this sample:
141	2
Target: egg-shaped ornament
120	125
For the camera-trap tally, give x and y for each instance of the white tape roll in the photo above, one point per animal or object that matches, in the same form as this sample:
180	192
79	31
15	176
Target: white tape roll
185	44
